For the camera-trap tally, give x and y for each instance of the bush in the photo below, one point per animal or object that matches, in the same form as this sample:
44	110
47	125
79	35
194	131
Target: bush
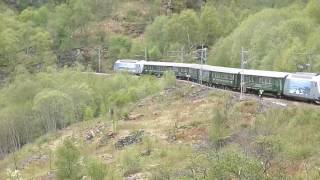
67	163
33	105
130	162
96	170
233	165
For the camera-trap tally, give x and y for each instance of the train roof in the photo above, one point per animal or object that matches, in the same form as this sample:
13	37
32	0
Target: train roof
222	69
273	74
195	66
301	75
262	73
171	64
127	61
158	63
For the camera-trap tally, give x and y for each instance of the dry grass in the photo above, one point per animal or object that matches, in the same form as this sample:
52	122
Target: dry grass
174	121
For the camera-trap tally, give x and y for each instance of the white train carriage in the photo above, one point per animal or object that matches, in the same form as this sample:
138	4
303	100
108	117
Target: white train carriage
127	65
304	86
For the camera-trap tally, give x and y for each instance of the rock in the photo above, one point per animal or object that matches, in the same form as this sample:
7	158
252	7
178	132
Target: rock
138	176
90	135
111	134
146	153
133	117
132	138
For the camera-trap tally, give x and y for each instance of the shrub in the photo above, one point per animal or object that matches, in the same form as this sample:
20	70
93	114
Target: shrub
96	170
130	162
233	165
68	165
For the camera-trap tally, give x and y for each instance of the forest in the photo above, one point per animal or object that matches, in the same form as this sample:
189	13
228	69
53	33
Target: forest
50	49
279	36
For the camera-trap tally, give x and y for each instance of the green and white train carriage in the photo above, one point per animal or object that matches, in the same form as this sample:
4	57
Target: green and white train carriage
271	82
298	86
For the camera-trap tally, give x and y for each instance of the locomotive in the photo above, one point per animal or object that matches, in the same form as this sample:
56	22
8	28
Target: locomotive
299	86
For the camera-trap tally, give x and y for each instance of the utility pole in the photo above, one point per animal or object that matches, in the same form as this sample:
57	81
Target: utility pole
309	64
243	62
145	54
177	54
203	59
169	8
182	54
99	56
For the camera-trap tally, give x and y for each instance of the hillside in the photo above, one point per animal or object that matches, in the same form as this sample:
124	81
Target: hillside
279	35
60	120
186	131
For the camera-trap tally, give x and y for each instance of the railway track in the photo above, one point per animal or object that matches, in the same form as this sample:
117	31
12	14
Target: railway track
265	99
247	96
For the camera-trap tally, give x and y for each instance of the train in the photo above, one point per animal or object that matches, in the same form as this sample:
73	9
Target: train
298	86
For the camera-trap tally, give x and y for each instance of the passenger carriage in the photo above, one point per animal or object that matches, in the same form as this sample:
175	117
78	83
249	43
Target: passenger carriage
271	82
305	86
221	76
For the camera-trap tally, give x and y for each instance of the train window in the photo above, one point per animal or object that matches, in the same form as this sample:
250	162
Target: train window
246	78
251	79
184	69
264	80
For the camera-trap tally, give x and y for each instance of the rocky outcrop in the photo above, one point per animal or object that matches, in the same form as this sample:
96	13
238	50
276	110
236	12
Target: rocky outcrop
132	138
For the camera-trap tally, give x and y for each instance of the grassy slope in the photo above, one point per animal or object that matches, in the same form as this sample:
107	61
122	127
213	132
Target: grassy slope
175	121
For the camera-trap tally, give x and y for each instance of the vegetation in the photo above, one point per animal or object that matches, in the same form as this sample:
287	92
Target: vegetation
59	121
213	137
279	35
68	161
33	105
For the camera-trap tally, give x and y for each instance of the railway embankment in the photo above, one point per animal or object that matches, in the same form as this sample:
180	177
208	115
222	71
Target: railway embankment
179	132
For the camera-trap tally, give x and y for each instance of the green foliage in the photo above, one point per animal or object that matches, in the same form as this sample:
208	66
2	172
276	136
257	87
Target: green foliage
219	131
96	170
232	165
188	30
295	129
184	28
267	148
33	105
67	163
88	113
313	10
273	30
157	33
210	25
169	79
130	162
119	47
274	37
54	109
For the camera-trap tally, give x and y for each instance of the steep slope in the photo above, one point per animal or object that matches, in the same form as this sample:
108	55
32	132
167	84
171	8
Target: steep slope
175	134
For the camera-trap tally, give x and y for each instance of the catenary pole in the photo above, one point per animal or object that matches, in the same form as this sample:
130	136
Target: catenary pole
243	62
